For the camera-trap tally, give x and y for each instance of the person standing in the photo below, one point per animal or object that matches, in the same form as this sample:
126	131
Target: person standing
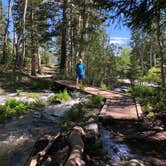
80	72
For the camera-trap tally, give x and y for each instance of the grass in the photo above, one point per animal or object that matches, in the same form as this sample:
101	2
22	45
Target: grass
150	98
62	96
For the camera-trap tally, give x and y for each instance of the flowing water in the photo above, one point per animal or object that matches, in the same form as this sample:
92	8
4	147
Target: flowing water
117	151
17	136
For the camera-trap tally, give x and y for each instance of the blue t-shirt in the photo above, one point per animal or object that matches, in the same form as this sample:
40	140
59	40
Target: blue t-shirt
80	68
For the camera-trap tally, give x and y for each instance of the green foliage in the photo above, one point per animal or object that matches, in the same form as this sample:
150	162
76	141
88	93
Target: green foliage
153	75
75	114
134	70
96	100
151	98
99	60
19	92
62	96
141	91
122	62
46	59
104	86
150	115
41	84
14	107
39	103
32	95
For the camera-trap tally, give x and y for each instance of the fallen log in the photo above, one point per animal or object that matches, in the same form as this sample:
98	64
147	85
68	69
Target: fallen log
61	156
77	147
42	155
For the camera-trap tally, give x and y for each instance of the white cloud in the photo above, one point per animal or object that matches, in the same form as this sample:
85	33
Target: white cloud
119	40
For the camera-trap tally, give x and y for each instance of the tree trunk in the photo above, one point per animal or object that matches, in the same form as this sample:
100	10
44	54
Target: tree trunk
33	60
23	34
17	61
64	39
39	60
5	38
82	52
159	42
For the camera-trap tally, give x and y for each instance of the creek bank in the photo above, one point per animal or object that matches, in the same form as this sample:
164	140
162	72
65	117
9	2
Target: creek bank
98	145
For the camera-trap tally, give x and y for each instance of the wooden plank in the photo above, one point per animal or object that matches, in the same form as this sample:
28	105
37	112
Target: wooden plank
117	105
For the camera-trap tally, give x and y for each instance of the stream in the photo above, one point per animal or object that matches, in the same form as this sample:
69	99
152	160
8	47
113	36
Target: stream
18	135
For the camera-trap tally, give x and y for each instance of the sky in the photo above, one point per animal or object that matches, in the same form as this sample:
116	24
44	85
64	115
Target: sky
118	34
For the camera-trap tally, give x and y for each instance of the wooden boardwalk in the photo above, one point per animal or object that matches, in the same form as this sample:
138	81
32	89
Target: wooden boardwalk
117	106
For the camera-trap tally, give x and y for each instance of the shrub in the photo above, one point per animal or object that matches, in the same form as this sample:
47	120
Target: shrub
141	91
41	84
96	100
11	102
13	107
150	115
153	75
19	92
104	86
32	95
37	104
150	97
75	114
62	96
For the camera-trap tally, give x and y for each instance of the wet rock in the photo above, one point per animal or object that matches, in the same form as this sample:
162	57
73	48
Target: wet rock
159	128
93	127
159	162
56	102
91	120
132	162
36	115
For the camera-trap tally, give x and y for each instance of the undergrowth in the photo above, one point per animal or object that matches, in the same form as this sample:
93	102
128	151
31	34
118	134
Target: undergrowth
62	96
74	115
13	107
152	99
96	100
